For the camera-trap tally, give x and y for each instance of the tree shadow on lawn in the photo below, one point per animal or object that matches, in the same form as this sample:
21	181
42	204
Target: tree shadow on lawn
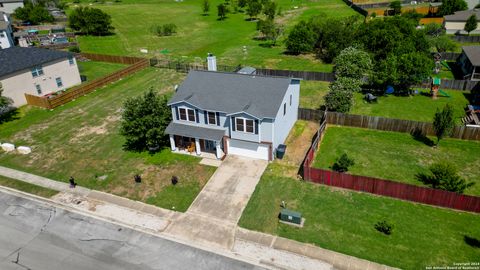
471	241
9	116
418	135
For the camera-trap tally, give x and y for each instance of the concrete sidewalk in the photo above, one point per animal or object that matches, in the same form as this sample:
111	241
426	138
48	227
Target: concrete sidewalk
197	229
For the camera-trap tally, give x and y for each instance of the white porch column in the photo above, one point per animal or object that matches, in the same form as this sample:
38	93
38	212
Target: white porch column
172	143
219	150
197	146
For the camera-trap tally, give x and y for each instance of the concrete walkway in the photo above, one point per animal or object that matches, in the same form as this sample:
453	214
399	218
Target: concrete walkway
212	218
202	225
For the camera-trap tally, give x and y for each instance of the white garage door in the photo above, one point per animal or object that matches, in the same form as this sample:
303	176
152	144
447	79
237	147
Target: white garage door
248	149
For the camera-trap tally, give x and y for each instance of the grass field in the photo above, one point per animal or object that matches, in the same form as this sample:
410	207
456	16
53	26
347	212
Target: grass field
94	70
198	35
344	221
27	187
397	156
82	139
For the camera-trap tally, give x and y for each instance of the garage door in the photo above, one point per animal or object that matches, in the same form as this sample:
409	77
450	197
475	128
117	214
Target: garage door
248	149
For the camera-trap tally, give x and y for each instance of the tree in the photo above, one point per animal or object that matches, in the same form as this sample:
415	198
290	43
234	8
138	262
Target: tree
442	43
222	11
90	21
301	39
35	14
353	63
206	7
396	6
443	175
340	95
254	7
144	120
269	9
471	24
242	3
451	6
343	163
5	102
270	30
443	122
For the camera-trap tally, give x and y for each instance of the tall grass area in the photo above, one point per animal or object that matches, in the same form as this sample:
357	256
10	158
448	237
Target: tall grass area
343	221
397	156
198	35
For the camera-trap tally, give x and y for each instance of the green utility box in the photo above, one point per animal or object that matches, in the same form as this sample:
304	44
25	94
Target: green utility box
290	216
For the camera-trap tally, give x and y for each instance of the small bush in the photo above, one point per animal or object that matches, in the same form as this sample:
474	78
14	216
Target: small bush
384	227
342	163
164	30
444	175
74	49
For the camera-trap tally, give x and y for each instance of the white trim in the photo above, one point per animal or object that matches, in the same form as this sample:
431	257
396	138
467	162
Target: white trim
232	114
245	125
186	114
208	117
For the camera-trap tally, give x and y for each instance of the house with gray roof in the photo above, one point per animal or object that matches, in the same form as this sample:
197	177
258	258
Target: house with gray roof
455	23
232	113
9	6
469	62
36	71
6	32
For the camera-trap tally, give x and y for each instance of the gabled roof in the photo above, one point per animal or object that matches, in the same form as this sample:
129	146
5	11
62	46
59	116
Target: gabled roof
232	93
18	58
462	16
473	54
184	129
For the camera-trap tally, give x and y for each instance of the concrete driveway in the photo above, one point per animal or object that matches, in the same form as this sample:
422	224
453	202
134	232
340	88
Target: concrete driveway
213	216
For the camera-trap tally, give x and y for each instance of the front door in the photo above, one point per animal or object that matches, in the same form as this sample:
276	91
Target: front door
209	146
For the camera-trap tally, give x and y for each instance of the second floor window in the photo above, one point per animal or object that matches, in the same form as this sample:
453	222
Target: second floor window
212	118
59	82
187	114
37	71
244	125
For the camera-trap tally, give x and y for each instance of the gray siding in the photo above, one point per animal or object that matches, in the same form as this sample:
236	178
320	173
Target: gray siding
284	123
245	136
201	117
266	130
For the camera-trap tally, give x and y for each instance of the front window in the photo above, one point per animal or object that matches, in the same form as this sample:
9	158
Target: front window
59	82
37	71
187	114
245	125
212	118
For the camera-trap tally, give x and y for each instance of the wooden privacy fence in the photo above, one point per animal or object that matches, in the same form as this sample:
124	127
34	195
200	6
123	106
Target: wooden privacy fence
81	90
466	38
386	124
380	186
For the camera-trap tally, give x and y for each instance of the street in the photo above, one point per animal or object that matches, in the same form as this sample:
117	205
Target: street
38	236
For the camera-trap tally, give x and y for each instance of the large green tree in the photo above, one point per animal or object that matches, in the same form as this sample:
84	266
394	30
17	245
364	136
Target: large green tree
443	122
144	120
270	9
222	11
471	24
90	21
254	7
451	6
396	6
301	39
353	63
35	14
340	95
269	29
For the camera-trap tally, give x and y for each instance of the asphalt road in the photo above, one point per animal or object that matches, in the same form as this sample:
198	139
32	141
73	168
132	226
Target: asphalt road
38	236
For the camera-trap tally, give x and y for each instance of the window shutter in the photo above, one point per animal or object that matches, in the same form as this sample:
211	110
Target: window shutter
176	113
205	117
196	116
233	123
256	126
218	118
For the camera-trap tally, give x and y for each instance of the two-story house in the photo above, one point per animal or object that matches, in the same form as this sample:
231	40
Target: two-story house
232	113
6	32
36	72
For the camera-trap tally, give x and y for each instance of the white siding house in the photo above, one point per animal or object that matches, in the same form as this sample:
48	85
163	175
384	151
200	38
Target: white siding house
36	72
9	6
232	113
455	23
6	33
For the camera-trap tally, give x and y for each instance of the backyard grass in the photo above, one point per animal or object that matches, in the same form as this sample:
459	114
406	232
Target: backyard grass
27	187
420	107
81	139
343	221
94	70
312	93
397	156
198	34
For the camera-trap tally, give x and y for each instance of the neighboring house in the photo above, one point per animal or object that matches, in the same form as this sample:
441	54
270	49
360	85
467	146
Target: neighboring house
233	113
469	62
6	33
36	72
472	3
455	23
9	6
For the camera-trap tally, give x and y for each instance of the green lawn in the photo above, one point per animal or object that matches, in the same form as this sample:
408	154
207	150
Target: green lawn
397	156
82	139
198	35
94	70
312	93
27	187
343	221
